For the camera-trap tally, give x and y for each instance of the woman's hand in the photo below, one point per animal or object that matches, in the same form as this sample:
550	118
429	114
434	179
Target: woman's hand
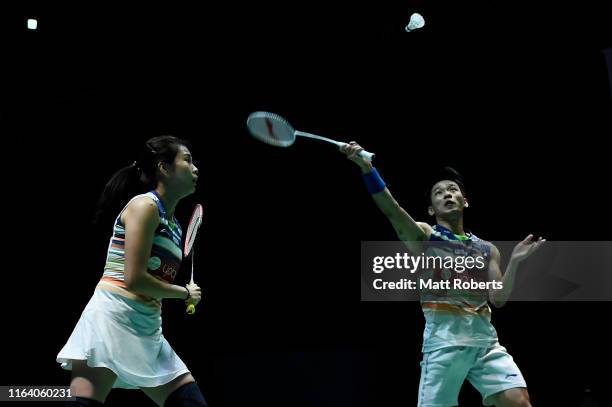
195	294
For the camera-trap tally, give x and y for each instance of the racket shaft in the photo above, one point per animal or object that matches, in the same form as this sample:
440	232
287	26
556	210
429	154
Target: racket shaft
362	153
192	256
301	133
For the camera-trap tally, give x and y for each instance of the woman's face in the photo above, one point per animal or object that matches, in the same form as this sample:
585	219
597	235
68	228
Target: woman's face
183	175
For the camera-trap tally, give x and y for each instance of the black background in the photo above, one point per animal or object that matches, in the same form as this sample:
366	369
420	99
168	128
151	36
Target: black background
514	95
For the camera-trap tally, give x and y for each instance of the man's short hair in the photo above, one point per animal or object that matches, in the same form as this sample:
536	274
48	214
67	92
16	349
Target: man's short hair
446	173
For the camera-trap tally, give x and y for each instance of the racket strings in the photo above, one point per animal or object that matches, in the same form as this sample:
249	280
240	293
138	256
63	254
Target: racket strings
271	129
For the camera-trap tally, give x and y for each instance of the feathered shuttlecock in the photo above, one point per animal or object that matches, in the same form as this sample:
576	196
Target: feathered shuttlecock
416	21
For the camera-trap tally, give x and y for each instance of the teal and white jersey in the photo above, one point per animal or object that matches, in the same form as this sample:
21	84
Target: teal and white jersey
456	317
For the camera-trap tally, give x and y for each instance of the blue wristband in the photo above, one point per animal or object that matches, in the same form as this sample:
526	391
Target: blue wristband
374	182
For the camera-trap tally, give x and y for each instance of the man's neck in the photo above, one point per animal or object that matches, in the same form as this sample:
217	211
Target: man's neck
454	225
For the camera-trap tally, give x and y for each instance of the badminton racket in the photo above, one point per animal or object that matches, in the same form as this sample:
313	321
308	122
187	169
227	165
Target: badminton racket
275	130
192	231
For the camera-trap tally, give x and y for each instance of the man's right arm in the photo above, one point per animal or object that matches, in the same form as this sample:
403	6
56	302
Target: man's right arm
408	230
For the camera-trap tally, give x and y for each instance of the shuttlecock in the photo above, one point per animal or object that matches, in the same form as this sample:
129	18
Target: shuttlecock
416	21
32	23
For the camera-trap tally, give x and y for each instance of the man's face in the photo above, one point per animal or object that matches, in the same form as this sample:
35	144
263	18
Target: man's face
446	199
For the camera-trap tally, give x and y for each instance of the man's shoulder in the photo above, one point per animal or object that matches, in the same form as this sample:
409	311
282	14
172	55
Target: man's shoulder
485	244
426	228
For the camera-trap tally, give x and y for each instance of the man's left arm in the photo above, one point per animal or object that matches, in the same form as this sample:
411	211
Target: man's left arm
521	251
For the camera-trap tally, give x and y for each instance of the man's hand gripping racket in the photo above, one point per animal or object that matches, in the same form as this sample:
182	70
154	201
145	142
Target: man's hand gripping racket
192	230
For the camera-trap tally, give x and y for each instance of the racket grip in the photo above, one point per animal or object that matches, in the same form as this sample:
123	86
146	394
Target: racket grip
366	154
190	309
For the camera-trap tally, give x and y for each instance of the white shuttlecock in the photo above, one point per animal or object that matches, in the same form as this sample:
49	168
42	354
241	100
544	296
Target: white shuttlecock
32	23
416	21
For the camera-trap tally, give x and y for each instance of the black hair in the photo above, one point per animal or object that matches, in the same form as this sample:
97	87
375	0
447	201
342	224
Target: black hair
446	173
137	178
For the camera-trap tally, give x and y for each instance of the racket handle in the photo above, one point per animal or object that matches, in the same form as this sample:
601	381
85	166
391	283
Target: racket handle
366	154
190	309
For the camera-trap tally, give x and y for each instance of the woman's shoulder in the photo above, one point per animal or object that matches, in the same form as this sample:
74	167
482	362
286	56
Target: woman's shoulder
142	206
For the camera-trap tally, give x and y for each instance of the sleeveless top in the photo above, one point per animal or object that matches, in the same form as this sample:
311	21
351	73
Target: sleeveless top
164	260
456	317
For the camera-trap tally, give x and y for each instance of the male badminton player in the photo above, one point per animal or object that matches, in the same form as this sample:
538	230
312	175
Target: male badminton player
459	341
118	340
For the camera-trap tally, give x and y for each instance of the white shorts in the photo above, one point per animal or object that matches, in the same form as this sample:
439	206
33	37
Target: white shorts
125	336
443	371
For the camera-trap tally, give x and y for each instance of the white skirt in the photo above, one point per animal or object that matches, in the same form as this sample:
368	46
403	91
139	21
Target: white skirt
125	336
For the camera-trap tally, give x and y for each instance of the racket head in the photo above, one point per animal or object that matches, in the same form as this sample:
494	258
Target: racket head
197	217
271	129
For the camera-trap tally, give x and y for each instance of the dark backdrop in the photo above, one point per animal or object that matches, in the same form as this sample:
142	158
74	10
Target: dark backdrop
513	94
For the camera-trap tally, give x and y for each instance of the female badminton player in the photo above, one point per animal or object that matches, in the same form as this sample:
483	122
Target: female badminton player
118	340
459	341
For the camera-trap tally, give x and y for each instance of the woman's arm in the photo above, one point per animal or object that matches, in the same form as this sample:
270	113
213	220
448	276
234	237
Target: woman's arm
141	218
